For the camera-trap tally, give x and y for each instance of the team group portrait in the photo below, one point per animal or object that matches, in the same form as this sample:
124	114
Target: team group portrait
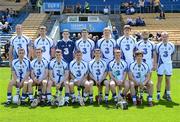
85	60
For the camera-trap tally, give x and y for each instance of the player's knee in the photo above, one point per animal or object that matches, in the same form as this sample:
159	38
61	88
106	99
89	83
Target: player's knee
112	84
71	84
87	85
25	84
126	85
11	83
107	84
44	82
66	84
132	85
150	84
49	83
30	83
91	83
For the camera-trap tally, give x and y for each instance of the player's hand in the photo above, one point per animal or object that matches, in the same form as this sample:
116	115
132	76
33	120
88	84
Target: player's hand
18	84
120	82
79	82
58	85
144	83
21	84
36	81
141	84
97	83
39	82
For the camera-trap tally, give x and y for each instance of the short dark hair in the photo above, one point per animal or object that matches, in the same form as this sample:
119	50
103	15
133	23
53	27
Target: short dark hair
84	30
78	51
138	52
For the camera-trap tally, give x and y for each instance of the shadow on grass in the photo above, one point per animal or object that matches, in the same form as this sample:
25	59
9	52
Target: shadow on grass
167	103
111	105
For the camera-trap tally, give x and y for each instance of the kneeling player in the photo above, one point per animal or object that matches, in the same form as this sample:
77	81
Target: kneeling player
20	76
118	73
39	74
78	70
140	77
98	73
58	76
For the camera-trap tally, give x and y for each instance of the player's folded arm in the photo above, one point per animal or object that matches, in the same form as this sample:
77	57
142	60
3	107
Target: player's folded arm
26	76
33	76
111	76
147	79
92	77
10	54
66	77
131	78
125	74
45	76
72	76
104	76
84	78
51	76
14	76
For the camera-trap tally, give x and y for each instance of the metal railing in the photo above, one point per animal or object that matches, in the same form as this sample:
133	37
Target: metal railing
55	31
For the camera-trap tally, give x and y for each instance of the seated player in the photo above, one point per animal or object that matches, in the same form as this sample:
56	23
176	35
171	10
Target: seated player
20	76
139	75
79	71
39	75
98	73
58	76
118	73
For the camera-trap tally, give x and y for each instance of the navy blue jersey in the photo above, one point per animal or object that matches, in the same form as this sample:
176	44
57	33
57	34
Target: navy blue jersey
67	48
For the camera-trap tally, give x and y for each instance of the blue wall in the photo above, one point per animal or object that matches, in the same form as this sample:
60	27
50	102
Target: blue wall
78	26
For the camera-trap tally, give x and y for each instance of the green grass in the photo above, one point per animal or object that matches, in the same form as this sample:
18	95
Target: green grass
163	111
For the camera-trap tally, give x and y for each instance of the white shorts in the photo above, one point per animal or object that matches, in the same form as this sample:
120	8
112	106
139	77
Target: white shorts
165	68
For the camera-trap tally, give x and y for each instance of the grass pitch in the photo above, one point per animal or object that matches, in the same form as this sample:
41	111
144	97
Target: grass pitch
163	111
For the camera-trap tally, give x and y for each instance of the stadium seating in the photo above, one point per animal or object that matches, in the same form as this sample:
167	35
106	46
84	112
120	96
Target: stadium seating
12	4
171	24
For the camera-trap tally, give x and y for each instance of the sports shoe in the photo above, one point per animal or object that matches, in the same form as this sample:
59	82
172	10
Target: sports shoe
91	101
134	103
73	100
66	103
7	103
150	104
115	99
168	98
48	103
164	96
106	101
23	102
